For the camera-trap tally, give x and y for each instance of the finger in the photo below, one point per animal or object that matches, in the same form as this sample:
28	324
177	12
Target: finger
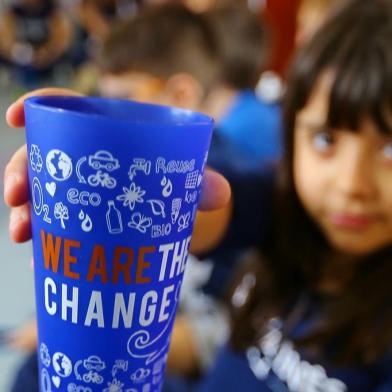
20	223
15	113
16	190
216	191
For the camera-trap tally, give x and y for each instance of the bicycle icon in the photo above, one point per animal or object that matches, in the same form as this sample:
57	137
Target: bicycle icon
93	377
102	179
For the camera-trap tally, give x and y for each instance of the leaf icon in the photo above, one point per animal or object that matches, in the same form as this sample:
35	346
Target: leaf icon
158	207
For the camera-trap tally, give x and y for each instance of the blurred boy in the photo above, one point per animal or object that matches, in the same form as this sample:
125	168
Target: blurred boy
169	55
165	55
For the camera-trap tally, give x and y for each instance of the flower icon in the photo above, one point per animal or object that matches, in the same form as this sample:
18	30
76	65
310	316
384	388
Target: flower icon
133	194
61	212
114	386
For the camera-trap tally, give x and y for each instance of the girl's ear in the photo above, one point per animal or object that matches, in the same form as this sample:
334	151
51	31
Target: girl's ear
185	91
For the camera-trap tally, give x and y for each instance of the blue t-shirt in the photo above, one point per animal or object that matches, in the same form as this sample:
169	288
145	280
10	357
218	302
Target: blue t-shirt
235	372
275	365
248	136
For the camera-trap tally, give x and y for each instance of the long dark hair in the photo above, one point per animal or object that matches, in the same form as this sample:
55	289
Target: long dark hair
354	44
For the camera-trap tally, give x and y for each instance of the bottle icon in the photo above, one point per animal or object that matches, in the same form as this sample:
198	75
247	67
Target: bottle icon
113	219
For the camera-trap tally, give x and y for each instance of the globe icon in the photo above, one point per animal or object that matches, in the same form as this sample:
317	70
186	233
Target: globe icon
62	364
59	165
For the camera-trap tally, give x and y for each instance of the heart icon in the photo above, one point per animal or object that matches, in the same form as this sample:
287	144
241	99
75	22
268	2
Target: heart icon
56	381
51	188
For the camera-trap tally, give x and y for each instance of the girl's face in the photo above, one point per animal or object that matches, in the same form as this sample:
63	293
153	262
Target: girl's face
343	178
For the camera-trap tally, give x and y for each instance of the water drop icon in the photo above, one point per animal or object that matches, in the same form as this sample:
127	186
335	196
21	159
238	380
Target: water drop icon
167	187
87	223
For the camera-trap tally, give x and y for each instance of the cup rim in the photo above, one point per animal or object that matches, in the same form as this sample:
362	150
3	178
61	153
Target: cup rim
189	117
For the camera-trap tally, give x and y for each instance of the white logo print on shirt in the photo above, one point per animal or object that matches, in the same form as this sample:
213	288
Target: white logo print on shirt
274	354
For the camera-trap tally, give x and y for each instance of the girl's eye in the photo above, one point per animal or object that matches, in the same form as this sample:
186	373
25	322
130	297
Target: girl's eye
387	151
322	141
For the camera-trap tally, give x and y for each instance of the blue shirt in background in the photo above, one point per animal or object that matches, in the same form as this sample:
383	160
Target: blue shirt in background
248	136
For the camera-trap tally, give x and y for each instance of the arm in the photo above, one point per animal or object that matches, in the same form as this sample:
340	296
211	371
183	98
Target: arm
216	190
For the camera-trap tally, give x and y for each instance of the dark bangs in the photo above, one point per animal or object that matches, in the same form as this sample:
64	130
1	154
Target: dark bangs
357	49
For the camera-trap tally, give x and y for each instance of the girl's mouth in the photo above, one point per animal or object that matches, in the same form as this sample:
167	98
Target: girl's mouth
351	221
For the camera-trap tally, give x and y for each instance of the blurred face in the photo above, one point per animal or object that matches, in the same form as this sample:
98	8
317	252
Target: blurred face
343	179
137	86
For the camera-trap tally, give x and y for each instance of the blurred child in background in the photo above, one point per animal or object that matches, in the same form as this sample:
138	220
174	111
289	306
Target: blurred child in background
35	36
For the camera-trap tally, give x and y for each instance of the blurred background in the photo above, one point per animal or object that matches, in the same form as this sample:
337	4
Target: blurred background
57	43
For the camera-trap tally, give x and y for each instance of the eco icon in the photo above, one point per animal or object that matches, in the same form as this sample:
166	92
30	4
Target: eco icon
84	198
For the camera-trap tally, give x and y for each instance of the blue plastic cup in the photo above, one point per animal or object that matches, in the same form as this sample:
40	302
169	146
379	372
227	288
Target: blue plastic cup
114	189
